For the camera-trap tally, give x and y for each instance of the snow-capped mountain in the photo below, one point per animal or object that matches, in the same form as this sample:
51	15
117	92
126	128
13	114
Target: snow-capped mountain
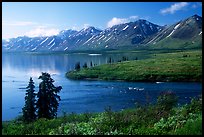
65	40
135	34
132	33
186	29
184	34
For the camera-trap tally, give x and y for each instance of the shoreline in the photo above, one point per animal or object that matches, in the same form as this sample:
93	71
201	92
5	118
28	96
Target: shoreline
117	80
164	67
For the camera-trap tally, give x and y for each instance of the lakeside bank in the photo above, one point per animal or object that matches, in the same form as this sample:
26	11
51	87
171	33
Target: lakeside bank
174	66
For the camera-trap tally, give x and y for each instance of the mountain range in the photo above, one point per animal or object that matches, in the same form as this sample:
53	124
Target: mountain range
186	33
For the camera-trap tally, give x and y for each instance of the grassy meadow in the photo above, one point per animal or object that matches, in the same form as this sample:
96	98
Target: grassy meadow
172	66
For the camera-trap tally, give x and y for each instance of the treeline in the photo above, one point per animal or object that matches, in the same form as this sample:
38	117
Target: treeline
109	61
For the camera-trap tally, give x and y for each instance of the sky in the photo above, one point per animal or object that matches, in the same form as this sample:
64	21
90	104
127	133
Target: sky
49	18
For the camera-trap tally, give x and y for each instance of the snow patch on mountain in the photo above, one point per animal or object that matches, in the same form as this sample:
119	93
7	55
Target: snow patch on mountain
88	40
126	27
171	33
101	37
66	48
109	38
177	26
174	30
19	40
44	41
51	41
77	41
34	49
104	38
52	45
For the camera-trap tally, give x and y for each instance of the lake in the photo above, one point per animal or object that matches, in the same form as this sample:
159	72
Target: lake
80	96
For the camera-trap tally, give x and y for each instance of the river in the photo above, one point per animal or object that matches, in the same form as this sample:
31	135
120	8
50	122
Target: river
80	96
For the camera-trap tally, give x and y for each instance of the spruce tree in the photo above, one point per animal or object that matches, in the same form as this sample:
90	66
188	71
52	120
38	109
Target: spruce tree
109	61
29	108
91	65
47	102
77	66
85	65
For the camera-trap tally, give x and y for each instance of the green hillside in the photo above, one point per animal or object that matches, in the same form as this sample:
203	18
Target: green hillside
174	66
175	43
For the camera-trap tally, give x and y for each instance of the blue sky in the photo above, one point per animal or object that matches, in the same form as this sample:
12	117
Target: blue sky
49	18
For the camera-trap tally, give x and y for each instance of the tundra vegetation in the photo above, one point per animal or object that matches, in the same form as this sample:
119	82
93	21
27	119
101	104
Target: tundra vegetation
172	66
164	117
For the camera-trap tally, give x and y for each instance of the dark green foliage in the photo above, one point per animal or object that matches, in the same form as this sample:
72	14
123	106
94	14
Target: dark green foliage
167	100
195	105
124	58
85	65
109	60
47	102
91	65
185	55
192	127
30	106
77	66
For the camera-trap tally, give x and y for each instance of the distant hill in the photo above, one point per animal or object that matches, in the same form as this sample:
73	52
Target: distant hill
139	34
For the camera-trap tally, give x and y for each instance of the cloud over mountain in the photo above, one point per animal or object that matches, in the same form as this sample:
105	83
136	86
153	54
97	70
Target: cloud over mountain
173	8
42	31
117	21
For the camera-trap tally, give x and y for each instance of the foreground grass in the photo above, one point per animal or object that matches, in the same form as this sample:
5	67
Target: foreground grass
142	120
177	66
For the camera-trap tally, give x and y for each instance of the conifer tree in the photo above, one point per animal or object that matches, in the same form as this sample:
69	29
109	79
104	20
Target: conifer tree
29	109
77	66
85	65
91	65
48	100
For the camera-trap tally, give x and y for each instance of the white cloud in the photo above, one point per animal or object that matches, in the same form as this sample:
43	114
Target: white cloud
42	31
75	27
13	29
173	8
18	23
86	26
133	17
80	27
117	21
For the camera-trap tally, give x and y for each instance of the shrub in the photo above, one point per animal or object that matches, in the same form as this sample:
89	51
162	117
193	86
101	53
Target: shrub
192	127
195	105
167	100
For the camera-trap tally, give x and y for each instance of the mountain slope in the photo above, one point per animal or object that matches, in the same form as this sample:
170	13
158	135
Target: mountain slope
128	34
183	34
139	34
